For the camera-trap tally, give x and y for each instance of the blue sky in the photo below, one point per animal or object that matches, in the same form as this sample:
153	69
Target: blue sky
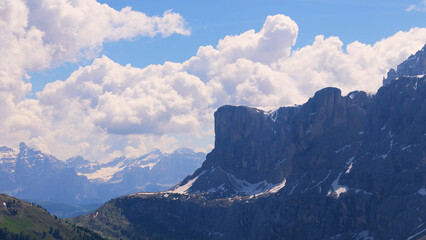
102	81
209	21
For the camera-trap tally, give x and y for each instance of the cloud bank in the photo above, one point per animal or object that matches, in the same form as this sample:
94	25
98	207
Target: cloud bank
105	110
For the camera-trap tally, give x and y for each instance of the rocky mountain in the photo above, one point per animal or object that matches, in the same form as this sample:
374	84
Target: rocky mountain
33	175
30	174
415	65
155	171
336	167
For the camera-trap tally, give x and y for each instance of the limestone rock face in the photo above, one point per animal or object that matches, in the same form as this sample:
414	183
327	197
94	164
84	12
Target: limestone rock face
257	150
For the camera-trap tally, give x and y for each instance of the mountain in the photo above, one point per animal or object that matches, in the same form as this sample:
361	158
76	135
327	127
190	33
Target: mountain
336	167
66	188
415	65
155	171
22	220
30	174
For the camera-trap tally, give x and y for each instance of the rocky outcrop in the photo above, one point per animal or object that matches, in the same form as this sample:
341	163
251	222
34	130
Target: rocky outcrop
415	65
256	151
336	167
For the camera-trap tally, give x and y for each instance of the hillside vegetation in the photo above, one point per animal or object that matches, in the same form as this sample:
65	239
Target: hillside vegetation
22	220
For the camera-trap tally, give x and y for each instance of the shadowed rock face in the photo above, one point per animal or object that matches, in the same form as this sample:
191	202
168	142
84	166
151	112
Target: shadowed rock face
337	167
261	149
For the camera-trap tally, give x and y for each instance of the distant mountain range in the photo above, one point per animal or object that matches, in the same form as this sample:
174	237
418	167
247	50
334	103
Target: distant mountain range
30	174
336	167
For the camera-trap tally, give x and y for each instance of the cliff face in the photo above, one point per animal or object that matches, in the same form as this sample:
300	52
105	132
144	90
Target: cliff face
337	167
256	150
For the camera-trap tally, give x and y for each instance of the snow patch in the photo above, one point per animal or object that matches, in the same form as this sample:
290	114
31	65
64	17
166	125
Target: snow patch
278	187
350	163
184	188
343	148
364	235
337	189
349	169
328	175
151	156
292	189
259	188
273	114
391	139
416	235
267	109
149	165
104	174
422	191
216	234
10	154
403	148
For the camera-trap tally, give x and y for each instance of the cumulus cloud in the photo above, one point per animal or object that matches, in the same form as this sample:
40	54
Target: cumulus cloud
37	34
357	67
106	109
127	100
419	7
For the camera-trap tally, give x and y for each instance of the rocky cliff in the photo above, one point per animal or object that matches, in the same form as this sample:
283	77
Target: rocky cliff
336	167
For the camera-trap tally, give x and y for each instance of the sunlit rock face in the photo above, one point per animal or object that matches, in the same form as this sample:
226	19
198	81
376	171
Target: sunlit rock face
336	167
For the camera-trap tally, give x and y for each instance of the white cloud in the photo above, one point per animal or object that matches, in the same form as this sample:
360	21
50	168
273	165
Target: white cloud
79	27
106	109
421	7
37	34
358	67
273	41
127	100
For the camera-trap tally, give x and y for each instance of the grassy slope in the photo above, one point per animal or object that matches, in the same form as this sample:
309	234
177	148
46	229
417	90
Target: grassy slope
63	210
19	217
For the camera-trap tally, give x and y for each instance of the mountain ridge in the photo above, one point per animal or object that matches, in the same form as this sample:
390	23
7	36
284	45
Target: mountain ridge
340	167
28	173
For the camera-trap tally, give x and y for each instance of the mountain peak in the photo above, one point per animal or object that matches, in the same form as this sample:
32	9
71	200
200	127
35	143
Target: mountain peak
415	65
156	151
22	145
183	150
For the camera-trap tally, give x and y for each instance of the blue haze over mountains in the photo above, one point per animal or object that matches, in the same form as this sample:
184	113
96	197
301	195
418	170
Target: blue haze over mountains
30	174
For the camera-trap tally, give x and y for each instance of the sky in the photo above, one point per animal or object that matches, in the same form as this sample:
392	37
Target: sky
108	78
